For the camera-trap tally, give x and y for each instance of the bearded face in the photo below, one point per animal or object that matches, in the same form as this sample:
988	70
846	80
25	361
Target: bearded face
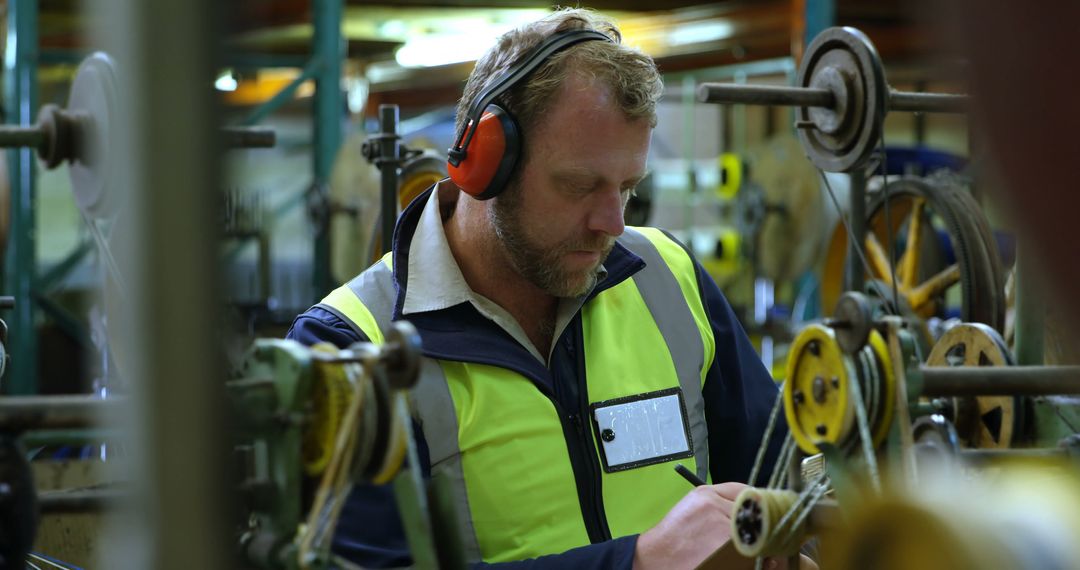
561	266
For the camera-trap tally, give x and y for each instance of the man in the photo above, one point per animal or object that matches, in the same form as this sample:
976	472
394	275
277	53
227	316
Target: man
570	364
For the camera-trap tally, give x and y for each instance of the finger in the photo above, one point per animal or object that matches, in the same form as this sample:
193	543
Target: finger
726	507
720	503
728	490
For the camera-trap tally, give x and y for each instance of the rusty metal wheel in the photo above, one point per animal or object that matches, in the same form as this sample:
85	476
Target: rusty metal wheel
925	270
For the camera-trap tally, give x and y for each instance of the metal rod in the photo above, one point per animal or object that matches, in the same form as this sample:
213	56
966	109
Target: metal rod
248	137
764	95
815	97
1004	380
389	152
55	412
927	102
20	137
81	500
40	438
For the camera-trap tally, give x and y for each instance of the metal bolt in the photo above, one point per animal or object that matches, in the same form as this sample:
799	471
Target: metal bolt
814	347
838	323
800	398
819	389
822	430
835	381
607	435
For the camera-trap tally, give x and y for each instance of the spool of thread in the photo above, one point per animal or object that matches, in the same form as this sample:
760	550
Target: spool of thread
755	524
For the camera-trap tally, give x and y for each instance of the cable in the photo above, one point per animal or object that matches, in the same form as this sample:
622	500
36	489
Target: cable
888	216
864	430
764	445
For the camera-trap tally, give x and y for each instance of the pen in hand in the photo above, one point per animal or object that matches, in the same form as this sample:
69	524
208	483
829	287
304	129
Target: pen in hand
689	475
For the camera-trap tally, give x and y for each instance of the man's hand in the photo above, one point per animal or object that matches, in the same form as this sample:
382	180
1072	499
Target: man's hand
694	528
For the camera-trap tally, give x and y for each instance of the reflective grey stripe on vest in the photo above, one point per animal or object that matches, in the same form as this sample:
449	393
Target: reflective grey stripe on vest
430	400
435	410
670	311
375	289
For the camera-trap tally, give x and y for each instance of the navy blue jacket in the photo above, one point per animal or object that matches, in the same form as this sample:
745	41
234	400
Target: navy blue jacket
738	392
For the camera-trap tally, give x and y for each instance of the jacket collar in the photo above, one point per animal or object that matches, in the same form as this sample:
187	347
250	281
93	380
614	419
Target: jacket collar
451	328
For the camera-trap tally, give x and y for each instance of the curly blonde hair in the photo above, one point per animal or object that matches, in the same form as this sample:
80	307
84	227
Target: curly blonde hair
631	75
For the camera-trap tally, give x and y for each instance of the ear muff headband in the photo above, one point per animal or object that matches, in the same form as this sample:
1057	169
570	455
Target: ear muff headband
493	156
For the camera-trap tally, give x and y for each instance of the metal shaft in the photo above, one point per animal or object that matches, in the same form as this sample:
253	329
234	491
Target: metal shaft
765	95
815	97
81	500
248	137
927	102
390	150
1000	381
18	413
19	137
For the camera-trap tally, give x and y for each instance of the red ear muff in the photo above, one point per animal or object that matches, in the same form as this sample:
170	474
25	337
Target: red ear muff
490	156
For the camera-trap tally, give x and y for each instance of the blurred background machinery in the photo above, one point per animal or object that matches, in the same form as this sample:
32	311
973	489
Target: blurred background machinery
153	228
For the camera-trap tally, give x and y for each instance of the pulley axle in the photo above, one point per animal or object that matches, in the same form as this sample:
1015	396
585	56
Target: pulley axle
1000	380
783	96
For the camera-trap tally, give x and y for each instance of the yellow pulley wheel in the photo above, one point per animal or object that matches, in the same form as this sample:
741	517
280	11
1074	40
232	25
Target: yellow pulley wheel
414	186
887	391
331	393
730	176
397	444
817	398
419	174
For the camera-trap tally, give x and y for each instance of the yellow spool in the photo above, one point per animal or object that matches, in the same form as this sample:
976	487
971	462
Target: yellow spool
331	393
755	523
731	168
396	447
1019	517
817	395
888	390
815	358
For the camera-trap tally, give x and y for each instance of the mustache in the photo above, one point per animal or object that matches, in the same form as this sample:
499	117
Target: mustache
602	244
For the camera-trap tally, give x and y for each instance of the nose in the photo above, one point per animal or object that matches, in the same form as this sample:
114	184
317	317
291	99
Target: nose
606	213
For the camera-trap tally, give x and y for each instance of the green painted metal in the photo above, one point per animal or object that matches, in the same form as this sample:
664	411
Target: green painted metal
267	407
65	320
311	69
50	279
1056	418
90	436
20	271
1030	312
329	113
819	15
264	61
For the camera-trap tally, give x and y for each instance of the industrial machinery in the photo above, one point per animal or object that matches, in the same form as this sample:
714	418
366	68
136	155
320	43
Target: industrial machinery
79	136
308	424
905	451
326	419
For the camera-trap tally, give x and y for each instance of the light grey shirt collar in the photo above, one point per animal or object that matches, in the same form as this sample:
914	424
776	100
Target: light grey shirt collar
435	281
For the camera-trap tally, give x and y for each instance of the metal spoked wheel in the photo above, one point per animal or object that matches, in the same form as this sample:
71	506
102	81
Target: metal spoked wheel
992	422
928	264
